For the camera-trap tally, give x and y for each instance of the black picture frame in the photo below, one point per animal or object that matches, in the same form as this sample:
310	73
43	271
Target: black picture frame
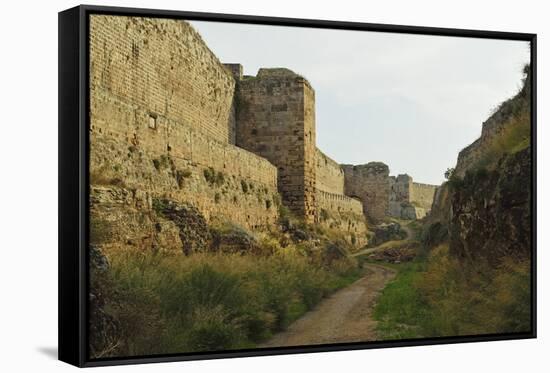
74	180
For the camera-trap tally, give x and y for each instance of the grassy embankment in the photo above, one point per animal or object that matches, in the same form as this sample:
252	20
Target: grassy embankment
212	301
436	295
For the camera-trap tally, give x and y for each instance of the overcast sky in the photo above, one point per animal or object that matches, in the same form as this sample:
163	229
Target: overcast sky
410	101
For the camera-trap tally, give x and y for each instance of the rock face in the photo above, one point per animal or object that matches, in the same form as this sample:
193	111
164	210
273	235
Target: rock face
104	329
125	219
386	232
193	229
484	210
233	240
491	216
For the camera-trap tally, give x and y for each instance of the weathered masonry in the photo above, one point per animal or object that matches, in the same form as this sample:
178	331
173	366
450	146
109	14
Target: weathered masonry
170	121
410	200
369	183
163	127
275	113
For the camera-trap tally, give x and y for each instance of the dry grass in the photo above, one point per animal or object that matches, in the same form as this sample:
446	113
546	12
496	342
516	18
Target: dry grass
211	301
442	297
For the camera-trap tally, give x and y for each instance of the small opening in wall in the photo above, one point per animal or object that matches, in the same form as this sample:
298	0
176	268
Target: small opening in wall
152	121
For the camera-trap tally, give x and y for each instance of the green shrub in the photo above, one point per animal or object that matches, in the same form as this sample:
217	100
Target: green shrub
214	178
181	175
455	182
160	205
212	330
162	163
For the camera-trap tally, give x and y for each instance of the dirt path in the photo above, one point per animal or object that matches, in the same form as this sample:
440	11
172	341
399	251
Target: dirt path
346	316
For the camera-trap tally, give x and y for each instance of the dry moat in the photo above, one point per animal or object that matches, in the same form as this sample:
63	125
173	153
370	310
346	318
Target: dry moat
217	223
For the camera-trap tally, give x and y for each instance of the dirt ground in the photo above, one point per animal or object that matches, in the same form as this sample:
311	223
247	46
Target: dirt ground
345	316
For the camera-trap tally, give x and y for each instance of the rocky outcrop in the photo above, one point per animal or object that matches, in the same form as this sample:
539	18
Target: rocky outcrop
491	211
193	229
233	239
512	110
122	218
104	328
386	232
484	210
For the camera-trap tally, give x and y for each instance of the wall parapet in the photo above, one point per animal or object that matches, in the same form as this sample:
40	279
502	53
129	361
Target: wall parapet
338	202
329	174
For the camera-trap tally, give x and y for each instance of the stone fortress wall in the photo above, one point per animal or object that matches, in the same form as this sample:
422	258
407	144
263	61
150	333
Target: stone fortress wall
166	113
423	195
473	152
369	183
409	200
330	175
163	126
335	209
495	126
169	120
275	113
163	66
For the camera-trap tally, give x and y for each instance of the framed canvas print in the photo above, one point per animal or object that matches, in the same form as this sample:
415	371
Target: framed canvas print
240	186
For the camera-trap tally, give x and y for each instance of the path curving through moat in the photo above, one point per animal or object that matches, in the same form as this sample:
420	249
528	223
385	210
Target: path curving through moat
345	316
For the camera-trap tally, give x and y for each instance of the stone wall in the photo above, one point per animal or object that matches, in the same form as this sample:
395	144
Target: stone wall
329	174
509	113
370	184
276	120
172	159
338	211
338	203
162	65
471	154
409	200
422	195
399	194
181	151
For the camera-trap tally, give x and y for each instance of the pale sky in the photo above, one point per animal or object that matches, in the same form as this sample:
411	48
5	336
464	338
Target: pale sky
410	101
